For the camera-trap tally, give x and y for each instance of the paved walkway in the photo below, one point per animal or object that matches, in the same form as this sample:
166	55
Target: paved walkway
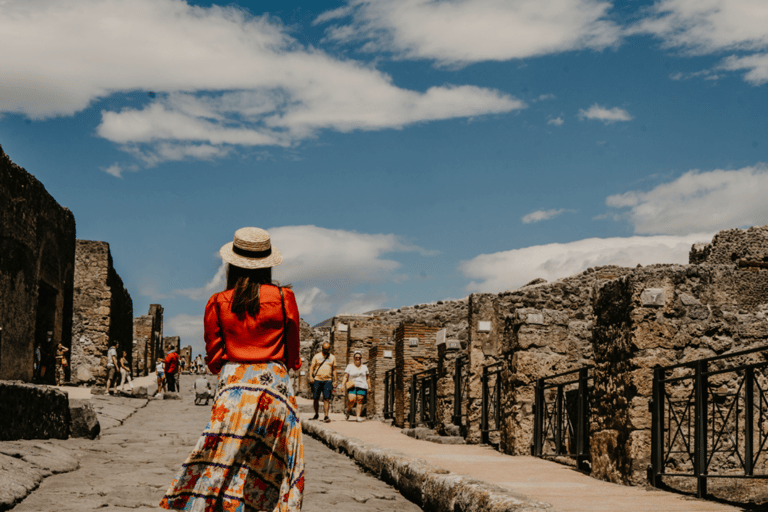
565	489
132	464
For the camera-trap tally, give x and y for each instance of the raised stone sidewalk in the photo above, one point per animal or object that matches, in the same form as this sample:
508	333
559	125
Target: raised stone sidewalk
469	478
25	463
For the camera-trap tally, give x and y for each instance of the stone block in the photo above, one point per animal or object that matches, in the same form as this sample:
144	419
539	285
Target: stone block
653	297
170	395
140	392
607	464
535	318
84	422
32	412
639	415
689	300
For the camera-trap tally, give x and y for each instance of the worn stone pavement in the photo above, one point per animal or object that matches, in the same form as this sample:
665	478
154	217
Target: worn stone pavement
133	463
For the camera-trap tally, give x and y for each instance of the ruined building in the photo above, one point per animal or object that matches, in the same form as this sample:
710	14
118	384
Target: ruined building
37	253
102	313
147	340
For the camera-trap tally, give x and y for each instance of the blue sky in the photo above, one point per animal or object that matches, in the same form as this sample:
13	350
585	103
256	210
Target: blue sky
399	151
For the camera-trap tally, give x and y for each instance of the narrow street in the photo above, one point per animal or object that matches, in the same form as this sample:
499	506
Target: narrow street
131	466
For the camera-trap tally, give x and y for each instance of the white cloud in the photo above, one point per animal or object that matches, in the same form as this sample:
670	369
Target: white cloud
189	328
709	26
604	114
216	284
700	27
544	97
509	270
540	215
461	32
556	121
259	86
699	201
757	65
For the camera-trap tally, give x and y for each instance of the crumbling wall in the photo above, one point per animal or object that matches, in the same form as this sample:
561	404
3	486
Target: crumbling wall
415	351
185	354
102	313
171	343
663	315
446	424
380	360
37	261
731	246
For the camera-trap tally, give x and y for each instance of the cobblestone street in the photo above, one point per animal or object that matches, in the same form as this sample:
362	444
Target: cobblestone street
131	466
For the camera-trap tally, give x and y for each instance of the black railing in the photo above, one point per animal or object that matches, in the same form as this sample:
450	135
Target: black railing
460	389
423	398
490	413
389	394
561	415
709	419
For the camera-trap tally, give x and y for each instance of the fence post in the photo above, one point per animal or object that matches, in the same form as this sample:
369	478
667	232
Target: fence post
582	425
412	412
657	427
700	429
538	418
433	399
749	420
559	420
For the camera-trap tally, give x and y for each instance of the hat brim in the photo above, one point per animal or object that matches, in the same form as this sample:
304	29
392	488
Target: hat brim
228	255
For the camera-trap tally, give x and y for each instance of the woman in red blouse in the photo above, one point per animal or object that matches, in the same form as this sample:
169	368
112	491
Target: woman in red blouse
250	456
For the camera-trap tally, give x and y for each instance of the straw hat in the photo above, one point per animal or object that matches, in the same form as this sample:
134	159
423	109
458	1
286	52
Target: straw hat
251	248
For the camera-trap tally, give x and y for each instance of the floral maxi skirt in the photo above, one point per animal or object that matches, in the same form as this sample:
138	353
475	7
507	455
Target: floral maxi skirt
250	456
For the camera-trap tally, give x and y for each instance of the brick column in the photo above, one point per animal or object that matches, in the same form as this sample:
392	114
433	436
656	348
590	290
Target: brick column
381	358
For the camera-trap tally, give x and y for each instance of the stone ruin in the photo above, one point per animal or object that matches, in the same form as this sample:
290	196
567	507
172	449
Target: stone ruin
620	321
102	313
147	340
37	265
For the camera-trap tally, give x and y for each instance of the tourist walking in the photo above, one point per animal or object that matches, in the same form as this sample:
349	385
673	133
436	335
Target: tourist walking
250	456
322	377
125	372
160	372
112	366
357	382
172	370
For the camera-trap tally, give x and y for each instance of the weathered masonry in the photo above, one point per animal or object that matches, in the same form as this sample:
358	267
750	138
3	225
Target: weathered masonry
147	340
591	366
37	253
102	313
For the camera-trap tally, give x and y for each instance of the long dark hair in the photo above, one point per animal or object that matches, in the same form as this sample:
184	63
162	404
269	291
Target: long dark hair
247	285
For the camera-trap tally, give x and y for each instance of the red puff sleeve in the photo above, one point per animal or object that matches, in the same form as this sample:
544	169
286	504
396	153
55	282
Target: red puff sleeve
215	349
292	342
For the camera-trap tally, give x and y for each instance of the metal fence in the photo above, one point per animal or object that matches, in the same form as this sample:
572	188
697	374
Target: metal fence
561	415
389	394
423	398
710	419
460	389
490	414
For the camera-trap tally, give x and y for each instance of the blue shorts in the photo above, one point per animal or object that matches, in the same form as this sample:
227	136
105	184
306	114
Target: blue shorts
357	391
326	386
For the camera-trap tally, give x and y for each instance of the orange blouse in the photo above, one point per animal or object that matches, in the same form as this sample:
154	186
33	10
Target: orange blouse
247	339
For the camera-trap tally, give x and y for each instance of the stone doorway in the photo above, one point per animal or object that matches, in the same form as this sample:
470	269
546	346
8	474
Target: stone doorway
45	344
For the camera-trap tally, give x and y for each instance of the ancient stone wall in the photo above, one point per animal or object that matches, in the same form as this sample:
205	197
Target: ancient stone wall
663	315
733	245
447	354
102	313
171	343
142	341
380	360
186	355
543	329
156	347
415	351
37	261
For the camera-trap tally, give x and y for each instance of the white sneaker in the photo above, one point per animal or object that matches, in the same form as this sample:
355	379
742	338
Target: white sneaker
359	419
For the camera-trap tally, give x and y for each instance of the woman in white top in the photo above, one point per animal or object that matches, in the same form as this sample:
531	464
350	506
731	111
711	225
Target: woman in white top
359	383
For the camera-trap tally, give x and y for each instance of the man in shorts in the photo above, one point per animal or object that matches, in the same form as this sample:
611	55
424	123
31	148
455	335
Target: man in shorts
111	367
322	377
